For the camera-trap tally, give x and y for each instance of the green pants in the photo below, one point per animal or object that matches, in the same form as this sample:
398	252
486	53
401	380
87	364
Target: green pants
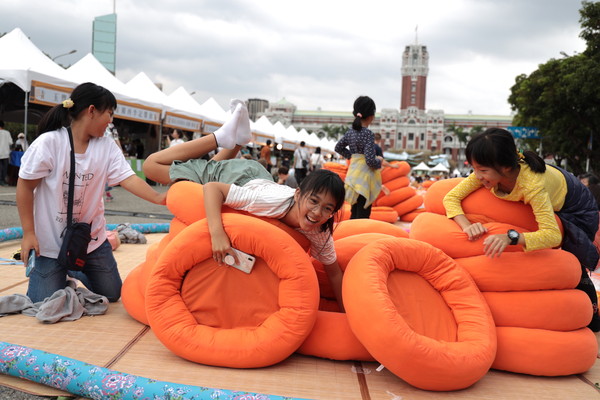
238	171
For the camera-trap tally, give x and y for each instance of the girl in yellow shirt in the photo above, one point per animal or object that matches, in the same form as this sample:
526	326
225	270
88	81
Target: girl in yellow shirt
525	177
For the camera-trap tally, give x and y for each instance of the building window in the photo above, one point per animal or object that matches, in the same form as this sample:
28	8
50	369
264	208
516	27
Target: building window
411	136
434	136
422	136
413	87
413	99
399	136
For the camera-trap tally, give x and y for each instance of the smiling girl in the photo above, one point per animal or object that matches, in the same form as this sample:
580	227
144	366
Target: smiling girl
513	176
43	186
246	185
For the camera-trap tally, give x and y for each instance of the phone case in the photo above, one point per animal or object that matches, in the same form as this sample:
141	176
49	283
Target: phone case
245	261
30	262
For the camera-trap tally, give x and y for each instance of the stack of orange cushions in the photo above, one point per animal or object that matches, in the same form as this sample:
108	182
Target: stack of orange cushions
540	317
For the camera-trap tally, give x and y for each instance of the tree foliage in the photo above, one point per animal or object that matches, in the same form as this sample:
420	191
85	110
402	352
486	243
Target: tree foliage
562	99
333	131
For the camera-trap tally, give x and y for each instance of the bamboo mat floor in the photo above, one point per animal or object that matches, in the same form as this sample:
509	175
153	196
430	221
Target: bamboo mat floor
117	341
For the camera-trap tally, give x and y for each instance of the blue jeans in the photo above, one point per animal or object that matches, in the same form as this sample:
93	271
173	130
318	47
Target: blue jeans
100	275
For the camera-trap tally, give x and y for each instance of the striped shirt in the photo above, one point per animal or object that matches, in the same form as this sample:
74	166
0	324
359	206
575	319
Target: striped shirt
266	198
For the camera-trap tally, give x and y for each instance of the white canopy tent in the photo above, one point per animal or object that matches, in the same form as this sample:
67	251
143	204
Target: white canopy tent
141	85
439	168
263	130
22	64
421	167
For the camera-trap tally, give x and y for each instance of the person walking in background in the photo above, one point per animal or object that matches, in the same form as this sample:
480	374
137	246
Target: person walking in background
5	143
363	179
524	177
301	162
21	141
44	183
265	152
316	160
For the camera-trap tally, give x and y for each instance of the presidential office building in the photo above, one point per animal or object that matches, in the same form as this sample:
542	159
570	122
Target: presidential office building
411	127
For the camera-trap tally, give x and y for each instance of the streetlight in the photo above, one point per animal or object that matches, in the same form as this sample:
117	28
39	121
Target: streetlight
65	54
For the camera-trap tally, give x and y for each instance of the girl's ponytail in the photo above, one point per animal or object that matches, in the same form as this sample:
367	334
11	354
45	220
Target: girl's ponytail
83	96
534	161
364	107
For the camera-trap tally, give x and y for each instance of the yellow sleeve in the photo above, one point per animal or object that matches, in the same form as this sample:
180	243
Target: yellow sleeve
548	234
452	200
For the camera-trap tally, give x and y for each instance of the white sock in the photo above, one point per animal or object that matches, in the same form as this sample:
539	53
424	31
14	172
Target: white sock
226	134
243	133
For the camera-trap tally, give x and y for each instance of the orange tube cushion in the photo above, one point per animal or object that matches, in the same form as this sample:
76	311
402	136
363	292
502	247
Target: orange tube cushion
358	226
397	183
544	352
557	310
538	270
385	214
332	338
217	315
388	173
428	322
483	202
445	234
409	205
397	196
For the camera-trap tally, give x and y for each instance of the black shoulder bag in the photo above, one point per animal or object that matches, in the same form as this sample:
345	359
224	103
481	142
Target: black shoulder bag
76	236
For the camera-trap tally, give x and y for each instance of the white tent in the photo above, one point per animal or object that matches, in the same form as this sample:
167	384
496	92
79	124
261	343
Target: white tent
263	130
421	167
142	86
213	111
439	168
22	62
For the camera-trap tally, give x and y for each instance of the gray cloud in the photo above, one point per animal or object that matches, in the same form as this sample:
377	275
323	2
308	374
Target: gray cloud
315	54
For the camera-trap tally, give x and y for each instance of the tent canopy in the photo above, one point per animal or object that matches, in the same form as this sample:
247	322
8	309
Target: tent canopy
439	168
421	167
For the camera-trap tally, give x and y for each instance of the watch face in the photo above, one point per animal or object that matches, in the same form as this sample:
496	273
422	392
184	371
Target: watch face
513	236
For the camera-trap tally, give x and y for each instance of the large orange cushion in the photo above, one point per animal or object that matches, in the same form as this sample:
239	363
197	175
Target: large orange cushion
445	234
545	352
217	315
357	226
419	314
385	214
537	270
558	310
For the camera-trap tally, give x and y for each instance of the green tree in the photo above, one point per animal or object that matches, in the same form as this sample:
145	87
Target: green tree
562	100
334	131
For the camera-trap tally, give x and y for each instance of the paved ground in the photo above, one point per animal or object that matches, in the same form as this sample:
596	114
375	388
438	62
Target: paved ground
124	208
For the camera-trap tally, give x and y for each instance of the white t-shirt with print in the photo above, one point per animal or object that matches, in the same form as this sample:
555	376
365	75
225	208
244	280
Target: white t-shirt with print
266	198
48	158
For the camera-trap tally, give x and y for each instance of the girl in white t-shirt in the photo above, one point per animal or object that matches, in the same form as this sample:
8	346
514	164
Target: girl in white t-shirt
42	190
246	185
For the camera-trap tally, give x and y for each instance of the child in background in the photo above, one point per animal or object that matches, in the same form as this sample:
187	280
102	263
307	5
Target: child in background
525	177
363	180
45	168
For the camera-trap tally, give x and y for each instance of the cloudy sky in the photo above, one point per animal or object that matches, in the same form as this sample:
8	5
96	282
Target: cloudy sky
315	53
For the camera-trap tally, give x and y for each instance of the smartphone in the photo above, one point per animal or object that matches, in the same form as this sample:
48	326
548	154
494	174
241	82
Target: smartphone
245	262
30	262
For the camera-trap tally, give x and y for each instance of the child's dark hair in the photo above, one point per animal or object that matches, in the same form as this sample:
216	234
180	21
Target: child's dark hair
495	148
82	97
364	107
320	181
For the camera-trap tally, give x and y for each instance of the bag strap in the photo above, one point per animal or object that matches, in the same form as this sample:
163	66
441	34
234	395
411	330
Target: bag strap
71	180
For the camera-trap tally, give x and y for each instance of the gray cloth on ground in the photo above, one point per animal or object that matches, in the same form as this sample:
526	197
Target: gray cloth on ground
129	235
68	304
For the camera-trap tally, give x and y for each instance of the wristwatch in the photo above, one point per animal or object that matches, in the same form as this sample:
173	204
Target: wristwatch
513	236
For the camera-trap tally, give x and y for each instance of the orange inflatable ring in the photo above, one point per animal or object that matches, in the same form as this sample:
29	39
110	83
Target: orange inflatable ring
217	315
557	310
385	214
409	205
389	173
410	217
357	226
419	314
545	352
546	269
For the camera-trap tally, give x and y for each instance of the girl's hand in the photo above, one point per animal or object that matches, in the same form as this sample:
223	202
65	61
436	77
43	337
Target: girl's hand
161	198
475	231
494	245
220	246
385	190
29	242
